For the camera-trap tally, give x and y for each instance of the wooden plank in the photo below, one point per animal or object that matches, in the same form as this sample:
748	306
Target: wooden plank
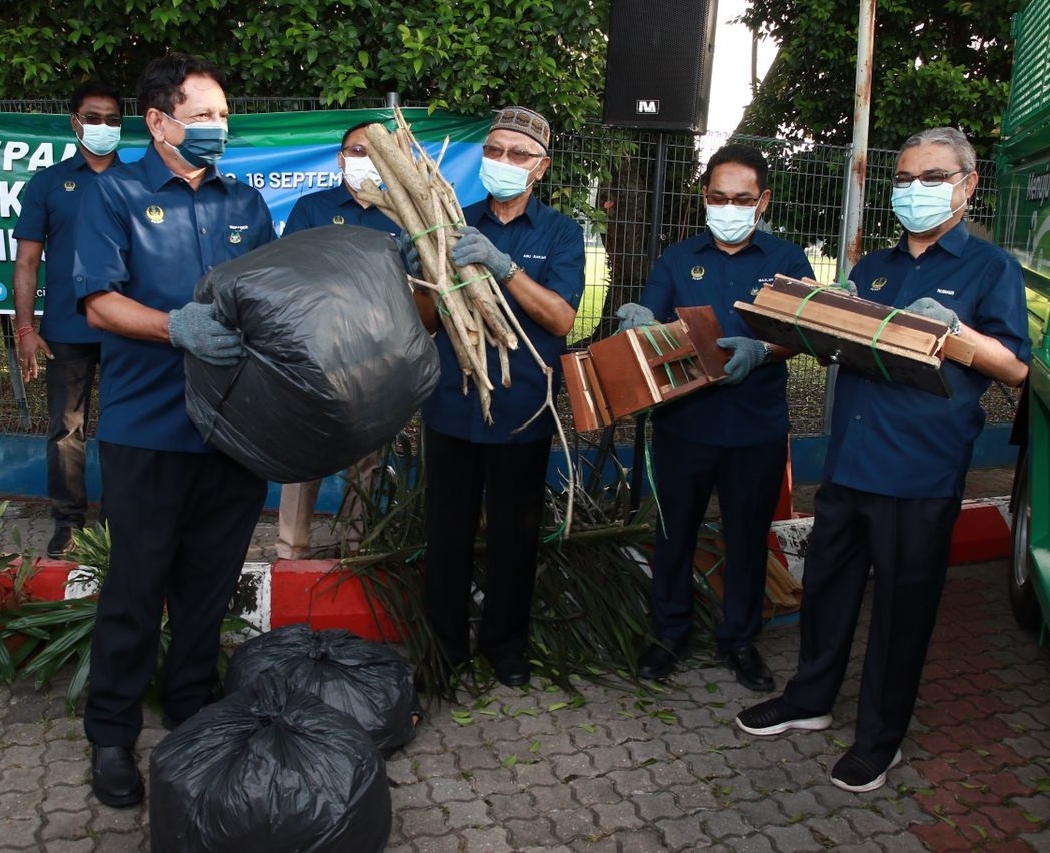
703	329
581	400
845	347
601	405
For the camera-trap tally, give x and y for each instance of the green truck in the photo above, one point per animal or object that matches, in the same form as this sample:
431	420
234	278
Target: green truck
1023	229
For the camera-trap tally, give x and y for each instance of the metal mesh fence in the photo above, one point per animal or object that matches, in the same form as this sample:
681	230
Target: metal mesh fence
636	192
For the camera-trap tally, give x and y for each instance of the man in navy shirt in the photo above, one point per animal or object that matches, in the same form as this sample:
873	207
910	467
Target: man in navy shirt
337	206
71	347
537	256
181	515
731	437
896	466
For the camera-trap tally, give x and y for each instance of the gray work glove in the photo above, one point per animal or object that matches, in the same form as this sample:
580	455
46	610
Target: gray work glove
632	315
473	247
849	288
747	355
933	309
409	255
196	328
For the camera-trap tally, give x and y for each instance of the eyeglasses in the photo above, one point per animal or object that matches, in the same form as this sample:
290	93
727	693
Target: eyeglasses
719	200
517	156
932	178
355	151
94	118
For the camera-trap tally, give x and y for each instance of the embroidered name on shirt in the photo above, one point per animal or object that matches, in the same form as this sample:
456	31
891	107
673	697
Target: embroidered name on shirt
945	292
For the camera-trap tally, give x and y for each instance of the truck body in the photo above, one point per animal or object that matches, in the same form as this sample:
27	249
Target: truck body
1023	229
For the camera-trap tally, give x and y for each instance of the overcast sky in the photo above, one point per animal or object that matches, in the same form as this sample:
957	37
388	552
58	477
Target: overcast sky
730	74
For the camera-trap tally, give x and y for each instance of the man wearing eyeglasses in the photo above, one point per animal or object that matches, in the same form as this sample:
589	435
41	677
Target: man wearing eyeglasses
337	206
181	515
71	347
731	437
896	466
537	256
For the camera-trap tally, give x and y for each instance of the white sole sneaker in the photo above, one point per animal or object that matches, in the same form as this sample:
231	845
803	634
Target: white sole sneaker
874	784
806	724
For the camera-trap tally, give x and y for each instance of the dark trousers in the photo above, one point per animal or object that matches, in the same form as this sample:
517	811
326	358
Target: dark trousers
510	479
70	376
907	542
180	525
748	480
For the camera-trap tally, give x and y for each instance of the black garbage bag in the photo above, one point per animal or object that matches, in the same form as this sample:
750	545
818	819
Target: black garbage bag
269	768
369	681
338	359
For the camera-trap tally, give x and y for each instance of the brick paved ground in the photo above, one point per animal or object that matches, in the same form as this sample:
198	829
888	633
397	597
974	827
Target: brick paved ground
612	771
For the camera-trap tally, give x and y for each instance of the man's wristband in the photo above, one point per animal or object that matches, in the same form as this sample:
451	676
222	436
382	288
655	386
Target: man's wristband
512	271
24	331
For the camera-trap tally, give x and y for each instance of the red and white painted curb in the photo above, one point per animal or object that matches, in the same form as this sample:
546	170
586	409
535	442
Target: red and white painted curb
287	591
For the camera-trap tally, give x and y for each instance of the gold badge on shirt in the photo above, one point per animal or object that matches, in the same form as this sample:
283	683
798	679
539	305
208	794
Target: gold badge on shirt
338	220
155	214
236	233
69	186
697	273
878	284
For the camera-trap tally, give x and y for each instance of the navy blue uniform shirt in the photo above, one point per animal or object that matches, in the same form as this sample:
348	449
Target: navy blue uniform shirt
49	216
336	207
146	234
696	272
549	246
899	441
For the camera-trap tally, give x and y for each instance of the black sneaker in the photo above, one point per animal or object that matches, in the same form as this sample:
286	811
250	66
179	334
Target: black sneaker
776	716
61	543
855	773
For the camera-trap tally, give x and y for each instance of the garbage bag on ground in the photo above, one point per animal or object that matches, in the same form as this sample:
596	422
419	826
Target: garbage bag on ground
269	768
369	681
338	359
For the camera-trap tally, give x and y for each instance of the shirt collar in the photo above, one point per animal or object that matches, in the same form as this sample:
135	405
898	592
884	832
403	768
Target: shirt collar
953	242
532	208
158	173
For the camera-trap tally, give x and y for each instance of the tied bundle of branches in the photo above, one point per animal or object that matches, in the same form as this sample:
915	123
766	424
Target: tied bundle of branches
470	303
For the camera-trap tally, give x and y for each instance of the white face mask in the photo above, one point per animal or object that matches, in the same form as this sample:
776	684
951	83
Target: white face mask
99	139
357	170
731	223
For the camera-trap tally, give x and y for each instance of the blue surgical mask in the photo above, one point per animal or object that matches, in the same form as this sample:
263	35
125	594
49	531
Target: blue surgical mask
731	223
99	139
504	180
204	143
920	209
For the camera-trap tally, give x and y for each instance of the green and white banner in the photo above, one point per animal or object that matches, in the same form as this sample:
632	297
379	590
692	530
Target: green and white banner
283	155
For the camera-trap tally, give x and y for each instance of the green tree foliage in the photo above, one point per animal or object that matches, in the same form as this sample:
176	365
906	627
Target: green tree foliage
463	55
936	62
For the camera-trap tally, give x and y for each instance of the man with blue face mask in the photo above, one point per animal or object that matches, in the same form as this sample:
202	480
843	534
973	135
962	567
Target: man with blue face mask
896	466
181	515
339	205
71	347
536	255
732	436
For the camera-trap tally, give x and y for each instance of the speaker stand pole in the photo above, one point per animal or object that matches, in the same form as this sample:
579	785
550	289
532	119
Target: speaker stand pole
656	217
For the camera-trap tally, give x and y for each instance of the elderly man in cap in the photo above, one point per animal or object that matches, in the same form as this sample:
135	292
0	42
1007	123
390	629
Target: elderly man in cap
537	256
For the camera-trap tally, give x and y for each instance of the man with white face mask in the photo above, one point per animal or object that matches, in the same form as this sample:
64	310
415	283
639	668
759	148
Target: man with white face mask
731	437
536	254
896	466
49	211
337	206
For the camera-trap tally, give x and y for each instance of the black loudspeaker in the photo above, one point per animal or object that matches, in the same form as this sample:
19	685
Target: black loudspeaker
658	72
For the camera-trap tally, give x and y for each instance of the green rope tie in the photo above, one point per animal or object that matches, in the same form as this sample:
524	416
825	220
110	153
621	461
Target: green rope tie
875	337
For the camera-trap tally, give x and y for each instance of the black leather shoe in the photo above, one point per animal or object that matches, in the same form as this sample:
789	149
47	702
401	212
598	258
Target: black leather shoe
61	543
751	671
115	779
658	661
514	672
